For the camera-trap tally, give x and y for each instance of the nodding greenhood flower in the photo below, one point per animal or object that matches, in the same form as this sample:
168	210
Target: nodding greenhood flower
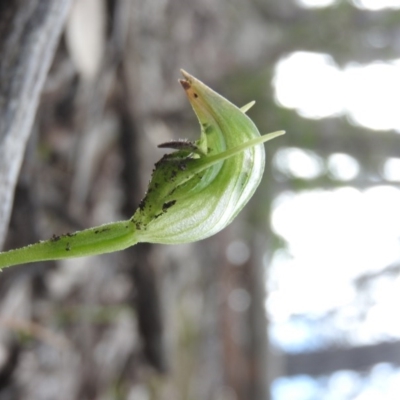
194	192
197	190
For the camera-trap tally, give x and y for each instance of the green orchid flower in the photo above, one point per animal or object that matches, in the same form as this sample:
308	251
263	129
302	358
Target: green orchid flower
194	192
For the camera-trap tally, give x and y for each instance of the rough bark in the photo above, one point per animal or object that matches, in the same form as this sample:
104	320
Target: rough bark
29	33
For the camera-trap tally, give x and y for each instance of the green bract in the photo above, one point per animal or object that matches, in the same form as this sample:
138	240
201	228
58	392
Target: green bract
194	191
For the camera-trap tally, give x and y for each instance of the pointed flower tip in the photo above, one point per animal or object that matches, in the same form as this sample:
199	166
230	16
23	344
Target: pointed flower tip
186	74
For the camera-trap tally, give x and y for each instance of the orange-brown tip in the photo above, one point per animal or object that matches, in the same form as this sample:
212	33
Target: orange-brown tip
185	84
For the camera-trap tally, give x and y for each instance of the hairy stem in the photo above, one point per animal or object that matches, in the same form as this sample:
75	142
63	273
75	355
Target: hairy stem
102	239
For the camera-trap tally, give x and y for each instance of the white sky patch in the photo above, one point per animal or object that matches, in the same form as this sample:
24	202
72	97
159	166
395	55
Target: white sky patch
391	169
373	94
316	3
343	166
298	163
313	85
333	237
379	318
310	83
371	5
376	5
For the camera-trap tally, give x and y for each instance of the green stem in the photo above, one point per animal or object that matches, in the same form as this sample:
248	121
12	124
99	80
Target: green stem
102	239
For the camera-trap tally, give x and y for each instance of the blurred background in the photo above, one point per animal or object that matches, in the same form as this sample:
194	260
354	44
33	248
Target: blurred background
297	298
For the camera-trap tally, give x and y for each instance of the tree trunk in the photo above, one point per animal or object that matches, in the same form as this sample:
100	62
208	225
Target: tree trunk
29	34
